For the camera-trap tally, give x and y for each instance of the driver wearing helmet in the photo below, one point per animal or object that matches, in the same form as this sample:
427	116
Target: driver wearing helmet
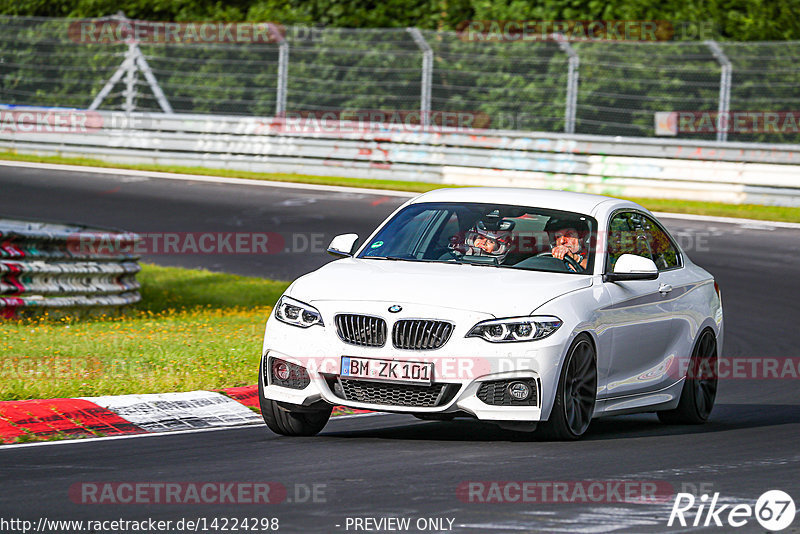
566	240
491	239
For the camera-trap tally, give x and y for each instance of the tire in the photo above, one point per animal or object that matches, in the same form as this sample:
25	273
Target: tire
287	422
700	388
576	394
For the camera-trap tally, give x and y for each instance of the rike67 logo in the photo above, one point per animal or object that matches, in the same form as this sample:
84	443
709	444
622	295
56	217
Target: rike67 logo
774	510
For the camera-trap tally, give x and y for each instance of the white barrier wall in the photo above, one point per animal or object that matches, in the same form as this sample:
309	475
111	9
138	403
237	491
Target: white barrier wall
726	172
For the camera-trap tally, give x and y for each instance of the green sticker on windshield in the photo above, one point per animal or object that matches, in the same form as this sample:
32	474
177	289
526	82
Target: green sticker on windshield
377	244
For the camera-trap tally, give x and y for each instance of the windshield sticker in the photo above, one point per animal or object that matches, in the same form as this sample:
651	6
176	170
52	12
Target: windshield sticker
376	244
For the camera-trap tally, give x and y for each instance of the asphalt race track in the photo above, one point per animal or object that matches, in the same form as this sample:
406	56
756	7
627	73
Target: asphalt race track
396	466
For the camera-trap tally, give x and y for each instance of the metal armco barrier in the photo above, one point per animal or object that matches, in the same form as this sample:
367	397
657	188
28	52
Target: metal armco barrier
47	267
700	170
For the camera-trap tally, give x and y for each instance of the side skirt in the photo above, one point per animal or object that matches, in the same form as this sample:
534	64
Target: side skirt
663	399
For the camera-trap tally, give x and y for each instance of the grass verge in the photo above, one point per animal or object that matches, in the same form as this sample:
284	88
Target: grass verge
746	211
194	329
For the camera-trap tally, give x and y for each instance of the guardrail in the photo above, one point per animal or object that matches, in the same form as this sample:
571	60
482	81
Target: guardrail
707	170
54	267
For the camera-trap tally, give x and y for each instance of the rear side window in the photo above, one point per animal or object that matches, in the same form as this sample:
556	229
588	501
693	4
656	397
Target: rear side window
663	250
625	236
634	233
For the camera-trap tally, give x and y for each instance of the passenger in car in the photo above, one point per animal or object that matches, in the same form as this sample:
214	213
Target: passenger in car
485	243
487	239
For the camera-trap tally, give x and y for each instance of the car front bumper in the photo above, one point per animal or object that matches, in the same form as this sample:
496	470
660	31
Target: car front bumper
464	364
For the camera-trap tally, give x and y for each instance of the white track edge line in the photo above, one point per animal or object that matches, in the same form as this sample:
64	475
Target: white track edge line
205	178
726	220
331	188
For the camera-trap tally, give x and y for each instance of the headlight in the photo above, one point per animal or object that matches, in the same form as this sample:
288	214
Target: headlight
297	313
516	329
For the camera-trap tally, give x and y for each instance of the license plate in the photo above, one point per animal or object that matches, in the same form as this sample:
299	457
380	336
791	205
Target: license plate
389	370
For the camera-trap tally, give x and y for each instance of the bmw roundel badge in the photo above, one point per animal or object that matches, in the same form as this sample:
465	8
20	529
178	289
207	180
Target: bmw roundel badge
395	308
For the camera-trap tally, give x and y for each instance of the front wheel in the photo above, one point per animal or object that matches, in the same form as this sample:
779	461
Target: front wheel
575	396
700	388
287	422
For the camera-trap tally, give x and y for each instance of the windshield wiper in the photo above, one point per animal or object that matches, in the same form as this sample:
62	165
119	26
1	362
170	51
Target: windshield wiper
481	263
390	258
422	260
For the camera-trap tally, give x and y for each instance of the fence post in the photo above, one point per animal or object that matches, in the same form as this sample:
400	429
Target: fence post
726	70
572	82
116	77
130	80
134	59
427	75
283	71
141	62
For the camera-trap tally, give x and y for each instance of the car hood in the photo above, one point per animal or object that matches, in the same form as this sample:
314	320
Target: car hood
501	292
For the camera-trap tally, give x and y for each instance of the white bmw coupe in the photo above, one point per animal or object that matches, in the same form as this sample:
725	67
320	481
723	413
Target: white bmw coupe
532	309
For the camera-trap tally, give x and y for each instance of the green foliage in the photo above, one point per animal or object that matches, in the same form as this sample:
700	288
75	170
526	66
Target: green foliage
740	20
506	85
166	289
172	10
193	329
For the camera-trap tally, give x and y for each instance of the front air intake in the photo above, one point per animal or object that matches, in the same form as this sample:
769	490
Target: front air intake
391	394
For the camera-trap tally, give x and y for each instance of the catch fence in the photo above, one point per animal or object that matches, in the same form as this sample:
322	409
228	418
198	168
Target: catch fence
610	88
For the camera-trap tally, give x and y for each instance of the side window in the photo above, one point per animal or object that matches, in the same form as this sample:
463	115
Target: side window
406	234
449	229
626	235
663	250
440	239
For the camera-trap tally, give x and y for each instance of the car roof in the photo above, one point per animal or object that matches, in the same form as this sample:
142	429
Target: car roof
523	196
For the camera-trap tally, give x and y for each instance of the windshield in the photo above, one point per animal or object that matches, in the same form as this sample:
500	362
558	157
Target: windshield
495	235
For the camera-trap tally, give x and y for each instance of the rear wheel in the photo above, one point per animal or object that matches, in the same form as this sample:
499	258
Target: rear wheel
700	388
575	396
282	419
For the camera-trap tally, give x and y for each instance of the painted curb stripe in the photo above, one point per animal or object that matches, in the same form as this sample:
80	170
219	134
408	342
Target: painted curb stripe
60	416
164	412
247	395
135	414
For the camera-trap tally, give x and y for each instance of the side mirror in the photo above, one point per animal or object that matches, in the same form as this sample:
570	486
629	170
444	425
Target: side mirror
632	267
342	245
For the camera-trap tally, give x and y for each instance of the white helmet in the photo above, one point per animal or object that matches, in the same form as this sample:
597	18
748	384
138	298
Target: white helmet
499	232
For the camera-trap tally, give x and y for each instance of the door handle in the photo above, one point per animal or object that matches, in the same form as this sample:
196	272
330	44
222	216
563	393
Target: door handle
664	289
